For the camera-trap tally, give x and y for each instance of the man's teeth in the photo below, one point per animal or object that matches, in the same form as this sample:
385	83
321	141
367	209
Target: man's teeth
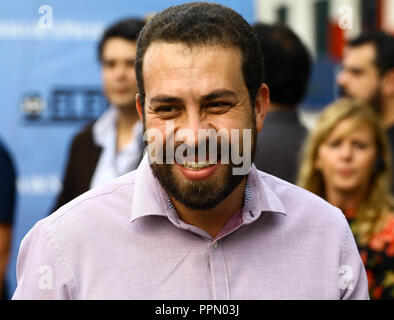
196	165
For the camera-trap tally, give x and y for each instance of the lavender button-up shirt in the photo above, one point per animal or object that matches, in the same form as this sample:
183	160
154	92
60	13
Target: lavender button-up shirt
123	240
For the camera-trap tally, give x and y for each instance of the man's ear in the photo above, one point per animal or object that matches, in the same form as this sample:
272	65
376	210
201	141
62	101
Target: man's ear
261	105
139	107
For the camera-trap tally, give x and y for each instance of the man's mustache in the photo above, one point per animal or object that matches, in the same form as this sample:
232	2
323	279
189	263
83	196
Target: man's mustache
235	148
203	152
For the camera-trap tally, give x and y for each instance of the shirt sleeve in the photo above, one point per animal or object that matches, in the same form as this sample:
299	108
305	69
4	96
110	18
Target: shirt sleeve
352	277
42	272
7	187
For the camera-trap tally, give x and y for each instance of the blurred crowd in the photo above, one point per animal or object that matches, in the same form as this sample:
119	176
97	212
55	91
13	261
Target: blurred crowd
345	158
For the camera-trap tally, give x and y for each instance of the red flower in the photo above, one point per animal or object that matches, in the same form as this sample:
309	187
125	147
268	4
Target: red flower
364	256
349	214
384	238
377	292
390	250
371	278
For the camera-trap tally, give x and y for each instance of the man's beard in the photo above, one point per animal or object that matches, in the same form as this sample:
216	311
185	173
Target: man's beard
202	195
375	101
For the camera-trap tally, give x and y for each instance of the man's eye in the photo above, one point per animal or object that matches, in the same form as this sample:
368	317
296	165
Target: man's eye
167	111
357	72
109	64
218	106
130	63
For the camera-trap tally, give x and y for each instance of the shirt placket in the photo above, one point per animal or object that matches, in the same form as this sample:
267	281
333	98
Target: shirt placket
219	278
220	285
218	272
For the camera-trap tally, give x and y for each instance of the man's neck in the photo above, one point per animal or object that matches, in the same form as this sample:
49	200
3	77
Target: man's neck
127	118
212	221
388	112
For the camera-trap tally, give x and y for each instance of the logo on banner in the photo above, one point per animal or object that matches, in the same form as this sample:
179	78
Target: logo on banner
64	104
32	106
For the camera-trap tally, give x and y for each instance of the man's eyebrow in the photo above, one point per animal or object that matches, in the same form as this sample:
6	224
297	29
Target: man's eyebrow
221	93
355	69
164	99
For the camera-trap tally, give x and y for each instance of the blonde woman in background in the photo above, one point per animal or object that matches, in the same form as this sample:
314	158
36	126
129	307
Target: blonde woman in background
346	161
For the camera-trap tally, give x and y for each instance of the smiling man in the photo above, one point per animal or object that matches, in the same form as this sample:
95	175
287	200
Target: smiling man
187	224
187	86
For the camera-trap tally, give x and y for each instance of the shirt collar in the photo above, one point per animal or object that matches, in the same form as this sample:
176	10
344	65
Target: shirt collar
150	198
104	131
104	128
264	199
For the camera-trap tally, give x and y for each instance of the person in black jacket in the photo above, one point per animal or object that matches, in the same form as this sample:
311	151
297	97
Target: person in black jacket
288	65
7	204
113	145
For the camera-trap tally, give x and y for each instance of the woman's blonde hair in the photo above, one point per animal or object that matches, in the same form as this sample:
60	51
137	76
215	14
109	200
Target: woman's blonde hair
379	202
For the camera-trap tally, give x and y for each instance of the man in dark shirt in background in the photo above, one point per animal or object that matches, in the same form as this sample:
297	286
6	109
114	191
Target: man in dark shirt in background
288	65
7	203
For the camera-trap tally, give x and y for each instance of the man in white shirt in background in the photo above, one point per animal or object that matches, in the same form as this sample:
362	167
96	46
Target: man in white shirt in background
113	145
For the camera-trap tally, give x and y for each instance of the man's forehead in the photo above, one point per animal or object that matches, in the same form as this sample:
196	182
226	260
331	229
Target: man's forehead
201	70
162	49
360	55
174	59
115	46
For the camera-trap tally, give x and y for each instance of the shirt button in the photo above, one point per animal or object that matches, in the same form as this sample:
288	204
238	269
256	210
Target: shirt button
215	245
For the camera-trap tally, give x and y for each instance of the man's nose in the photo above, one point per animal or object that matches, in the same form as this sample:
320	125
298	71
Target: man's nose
121	71
194	128
341	78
